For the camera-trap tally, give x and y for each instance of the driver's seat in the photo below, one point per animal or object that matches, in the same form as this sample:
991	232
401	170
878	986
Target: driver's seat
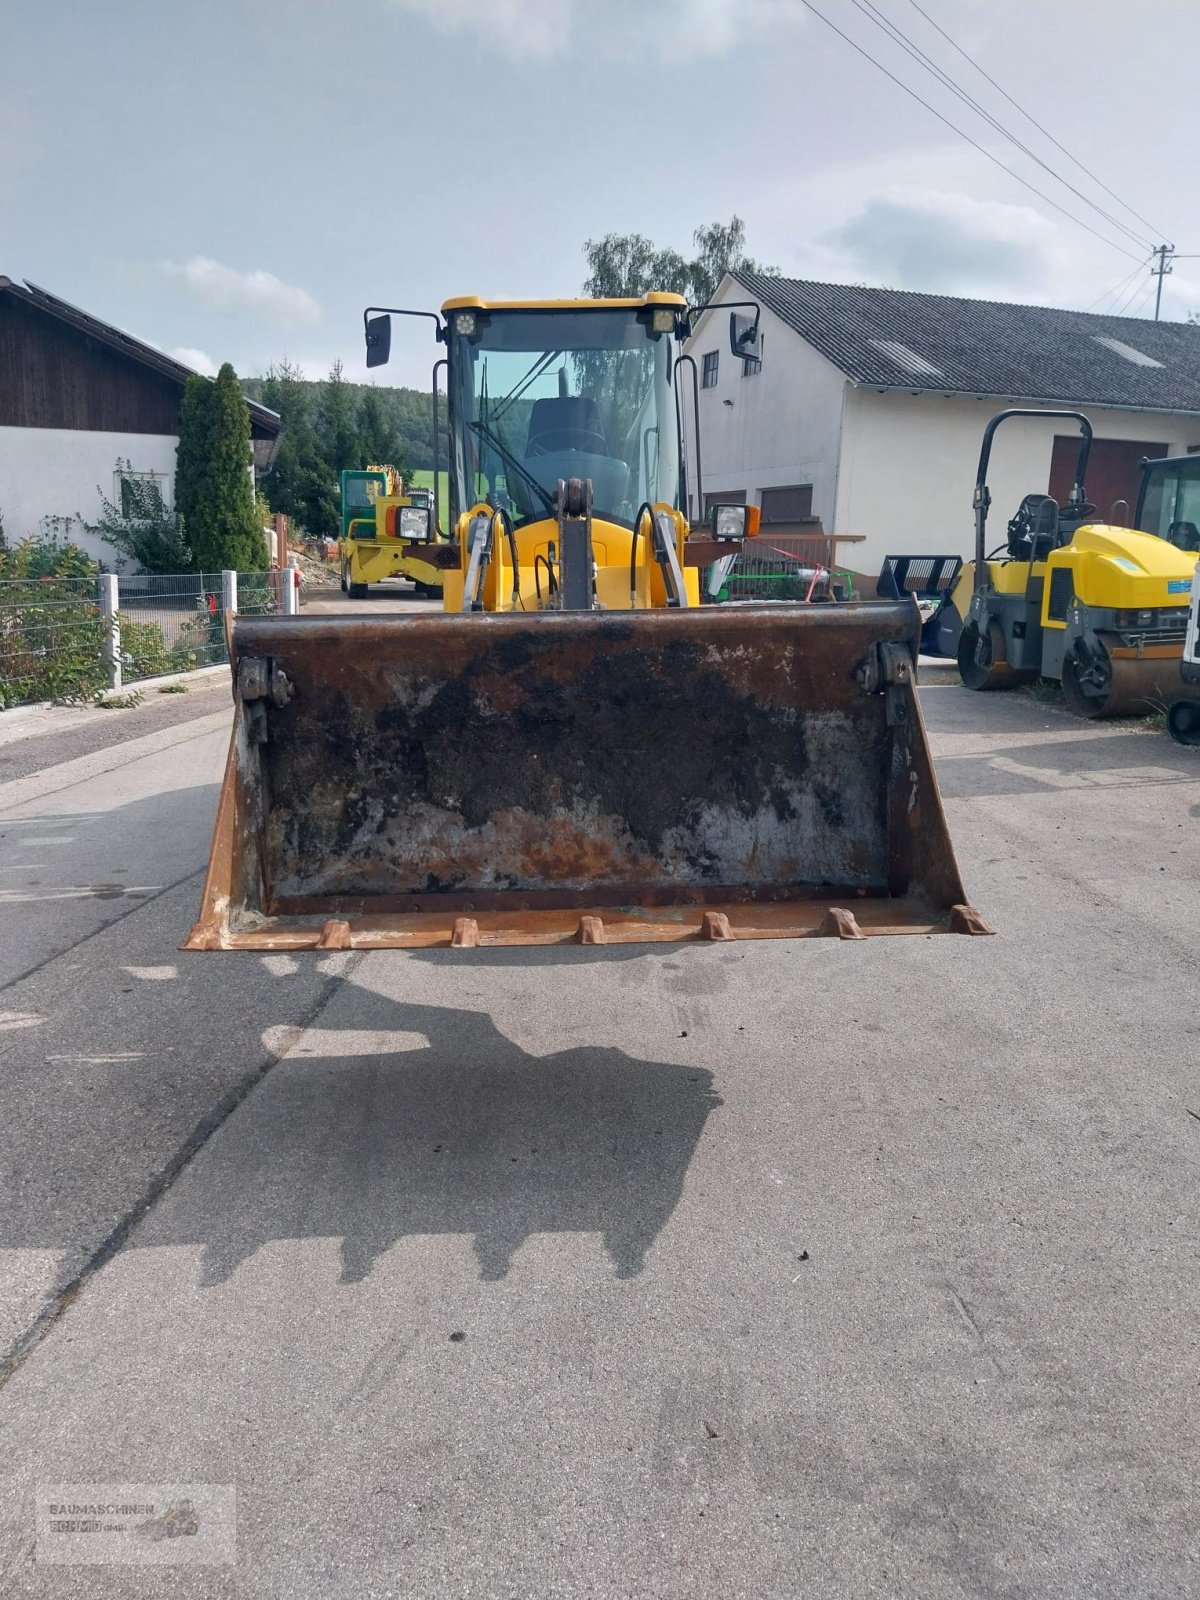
567	440
566	422
1033	532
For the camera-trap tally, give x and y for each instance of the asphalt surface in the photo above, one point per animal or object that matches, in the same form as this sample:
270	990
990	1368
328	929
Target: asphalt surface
780	1269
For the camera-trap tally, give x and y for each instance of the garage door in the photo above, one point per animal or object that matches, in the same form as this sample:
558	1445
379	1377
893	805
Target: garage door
1113	473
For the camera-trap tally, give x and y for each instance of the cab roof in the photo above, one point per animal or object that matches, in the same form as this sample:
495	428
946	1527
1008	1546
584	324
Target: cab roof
472	302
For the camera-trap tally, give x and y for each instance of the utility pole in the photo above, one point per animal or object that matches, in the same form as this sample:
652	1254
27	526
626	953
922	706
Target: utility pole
1163	253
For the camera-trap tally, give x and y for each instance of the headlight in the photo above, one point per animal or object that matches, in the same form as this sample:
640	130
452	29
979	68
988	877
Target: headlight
729	522
464	323
663	319
414	523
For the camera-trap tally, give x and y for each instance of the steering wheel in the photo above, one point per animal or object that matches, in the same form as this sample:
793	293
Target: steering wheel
596	444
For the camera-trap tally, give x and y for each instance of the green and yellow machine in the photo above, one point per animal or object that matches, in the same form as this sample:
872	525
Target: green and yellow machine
1101	609
387	532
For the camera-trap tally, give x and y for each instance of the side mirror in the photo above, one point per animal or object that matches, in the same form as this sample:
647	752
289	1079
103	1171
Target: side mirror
743	335
731	523
379	340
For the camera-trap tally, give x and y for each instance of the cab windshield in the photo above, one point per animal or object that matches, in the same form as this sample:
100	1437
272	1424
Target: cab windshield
1171	503
544	395
360	492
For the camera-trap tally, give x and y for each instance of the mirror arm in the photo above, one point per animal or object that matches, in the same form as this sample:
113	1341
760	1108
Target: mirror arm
440	328
726	305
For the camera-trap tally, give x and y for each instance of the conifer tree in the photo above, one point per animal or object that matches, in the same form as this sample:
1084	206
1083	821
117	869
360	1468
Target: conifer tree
214	491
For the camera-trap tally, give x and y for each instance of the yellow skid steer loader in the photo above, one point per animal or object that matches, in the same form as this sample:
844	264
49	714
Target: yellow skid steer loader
576	749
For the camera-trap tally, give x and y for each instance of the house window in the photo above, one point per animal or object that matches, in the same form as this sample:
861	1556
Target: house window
790	503
708	376
142	496
753	364
724	497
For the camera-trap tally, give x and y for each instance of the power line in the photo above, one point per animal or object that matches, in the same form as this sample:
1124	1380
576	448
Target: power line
1142	302
1110	294
1030	118
953	126
898	36
1138	289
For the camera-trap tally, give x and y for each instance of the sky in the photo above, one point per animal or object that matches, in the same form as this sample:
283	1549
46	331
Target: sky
236	179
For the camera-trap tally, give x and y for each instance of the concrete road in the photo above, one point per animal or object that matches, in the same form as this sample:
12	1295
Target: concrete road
785	1269
394	598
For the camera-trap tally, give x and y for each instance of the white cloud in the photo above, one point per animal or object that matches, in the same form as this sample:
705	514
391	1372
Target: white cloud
944	240
519	28
196	359
540	29
717	27
226	289
930	217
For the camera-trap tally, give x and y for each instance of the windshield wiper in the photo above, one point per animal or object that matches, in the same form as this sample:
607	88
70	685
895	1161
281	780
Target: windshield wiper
535	371
510	460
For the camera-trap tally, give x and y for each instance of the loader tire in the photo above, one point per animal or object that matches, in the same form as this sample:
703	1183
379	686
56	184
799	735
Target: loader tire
357	591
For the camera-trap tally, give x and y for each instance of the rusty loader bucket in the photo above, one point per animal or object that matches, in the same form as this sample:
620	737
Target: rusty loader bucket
742	772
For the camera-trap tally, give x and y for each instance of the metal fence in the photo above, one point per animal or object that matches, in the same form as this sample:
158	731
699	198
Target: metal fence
65	639
170	623
767	569
260	593
52	640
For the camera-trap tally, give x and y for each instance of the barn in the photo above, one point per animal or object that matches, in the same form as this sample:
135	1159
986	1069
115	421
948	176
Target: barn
85	407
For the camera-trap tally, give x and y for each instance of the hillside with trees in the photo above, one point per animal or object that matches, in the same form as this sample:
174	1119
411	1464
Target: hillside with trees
334	425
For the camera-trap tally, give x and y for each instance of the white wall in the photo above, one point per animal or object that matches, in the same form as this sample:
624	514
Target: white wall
784	424
59	472
908	467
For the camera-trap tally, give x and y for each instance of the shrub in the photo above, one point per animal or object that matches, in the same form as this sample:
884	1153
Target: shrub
52	643
144	651
145	531
52	632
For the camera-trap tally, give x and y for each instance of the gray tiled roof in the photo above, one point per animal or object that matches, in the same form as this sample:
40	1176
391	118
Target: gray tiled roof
987	347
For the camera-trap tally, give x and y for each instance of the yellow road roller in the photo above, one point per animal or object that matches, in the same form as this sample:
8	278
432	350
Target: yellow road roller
1103	609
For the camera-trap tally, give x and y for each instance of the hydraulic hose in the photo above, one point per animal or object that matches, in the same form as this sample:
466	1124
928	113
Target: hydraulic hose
541	560
507	524
648	510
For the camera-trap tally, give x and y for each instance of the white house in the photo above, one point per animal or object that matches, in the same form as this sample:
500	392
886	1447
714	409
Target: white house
78	396
868	407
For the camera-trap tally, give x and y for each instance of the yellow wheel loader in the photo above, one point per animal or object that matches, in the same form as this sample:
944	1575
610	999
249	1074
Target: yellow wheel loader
1102	609
575	750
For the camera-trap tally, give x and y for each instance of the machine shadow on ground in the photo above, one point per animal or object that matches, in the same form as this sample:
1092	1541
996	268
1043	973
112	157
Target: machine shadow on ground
446	1127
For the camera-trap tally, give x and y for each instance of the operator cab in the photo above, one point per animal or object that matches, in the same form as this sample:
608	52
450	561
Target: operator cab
1169	501
543	394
